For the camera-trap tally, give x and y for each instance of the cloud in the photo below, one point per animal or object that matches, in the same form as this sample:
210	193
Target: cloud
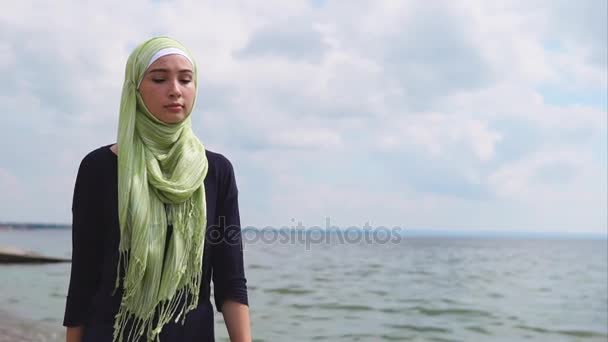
470	114
296	42
582	25
559	186
9	184
439	134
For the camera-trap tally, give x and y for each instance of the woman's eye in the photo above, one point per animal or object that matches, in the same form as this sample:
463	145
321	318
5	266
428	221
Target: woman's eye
157	80
186	81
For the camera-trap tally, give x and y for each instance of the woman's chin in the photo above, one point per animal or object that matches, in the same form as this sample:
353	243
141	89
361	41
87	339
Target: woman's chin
172	118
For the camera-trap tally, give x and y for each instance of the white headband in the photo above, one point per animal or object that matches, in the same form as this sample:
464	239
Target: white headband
168	51
165	52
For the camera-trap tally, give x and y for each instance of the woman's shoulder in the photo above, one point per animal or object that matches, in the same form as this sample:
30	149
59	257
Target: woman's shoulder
97	157
220	169
218	161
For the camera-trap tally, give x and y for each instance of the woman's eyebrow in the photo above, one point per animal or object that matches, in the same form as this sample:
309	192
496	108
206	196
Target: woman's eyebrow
166	70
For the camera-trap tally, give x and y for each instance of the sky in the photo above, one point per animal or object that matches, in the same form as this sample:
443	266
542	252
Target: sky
463	115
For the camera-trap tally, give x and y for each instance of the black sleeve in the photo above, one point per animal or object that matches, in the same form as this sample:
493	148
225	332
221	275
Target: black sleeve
87	254
229	280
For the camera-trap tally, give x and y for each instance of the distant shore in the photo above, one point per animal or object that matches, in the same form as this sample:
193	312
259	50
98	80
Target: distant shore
20	226
401	231
14	329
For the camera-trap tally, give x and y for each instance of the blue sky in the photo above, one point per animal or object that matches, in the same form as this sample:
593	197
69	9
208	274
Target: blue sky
471	115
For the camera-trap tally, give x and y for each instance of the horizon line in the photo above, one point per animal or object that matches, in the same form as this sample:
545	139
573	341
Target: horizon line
430	231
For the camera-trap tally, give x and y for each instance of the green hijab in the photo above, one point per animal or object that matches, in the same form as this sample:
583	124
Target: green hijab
161	168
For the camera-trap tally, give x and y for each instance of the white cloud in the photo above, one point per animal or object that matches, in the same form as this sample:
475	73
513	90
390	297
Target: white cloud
557	186
9	184
438	134
388	111
553	171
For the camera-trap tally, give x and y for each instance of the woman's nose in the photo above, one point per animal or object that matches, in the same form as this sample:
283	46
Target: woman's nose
174	89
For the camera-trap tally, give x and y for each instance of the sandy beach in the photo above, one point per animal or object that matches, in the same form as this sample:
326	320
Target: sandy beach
16	329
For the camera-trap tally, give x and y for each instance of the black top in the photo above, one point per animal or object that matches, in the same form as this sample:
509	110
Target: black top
96	236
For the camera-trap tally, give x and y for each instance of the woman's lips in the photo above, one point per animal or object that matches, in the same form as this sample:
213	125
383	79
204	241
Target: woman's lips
174	108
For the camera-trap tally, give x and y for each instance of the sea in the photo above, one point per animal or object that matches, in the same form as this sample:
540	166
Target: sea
327	288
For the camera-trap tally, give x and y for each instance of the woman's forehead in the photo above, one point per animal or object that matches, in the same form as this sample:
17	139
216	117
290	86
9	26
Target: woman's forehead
173	62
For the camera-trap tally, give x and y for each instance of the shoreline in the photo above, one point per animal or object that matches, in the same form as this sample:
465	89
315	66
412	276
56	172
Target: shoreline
13	329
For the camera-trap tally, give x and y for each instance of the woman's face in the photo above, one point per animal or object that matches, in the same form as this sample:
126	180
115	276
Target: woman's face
167	88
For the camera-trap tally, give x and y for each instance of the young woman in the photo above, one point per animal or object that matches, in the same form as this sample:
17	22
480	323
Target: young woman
155	218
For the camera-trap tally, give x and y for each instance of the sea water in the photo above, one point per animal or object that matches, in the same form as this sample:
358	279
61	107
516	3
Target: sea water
412	289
